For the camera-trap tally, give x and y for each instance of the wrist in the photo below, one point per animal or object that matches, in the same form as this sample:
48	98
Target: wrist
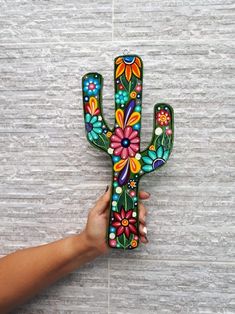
83	245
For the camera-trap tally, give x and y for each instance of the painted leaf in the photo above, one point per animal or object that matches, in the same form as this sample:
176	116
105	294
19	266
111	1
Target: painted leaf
119	165
134	118
135	165
93	105
102	141
125	201
120	117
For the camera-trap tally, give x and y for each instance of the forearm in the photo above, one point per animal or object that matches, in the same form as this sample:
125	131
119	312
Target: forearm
24	273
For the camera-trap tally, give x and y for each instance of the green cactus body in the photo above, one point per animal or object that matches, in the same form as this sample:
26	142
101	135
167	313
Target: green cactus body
122	143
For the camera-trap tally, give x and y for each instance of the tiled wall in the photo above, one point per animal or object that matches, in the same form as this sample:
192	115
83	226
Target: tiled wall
50	176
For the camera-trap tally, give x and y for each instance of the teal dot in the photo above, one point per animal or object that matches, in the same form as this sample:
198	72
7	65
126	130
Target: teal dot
138	108
135	199
136	126
116	158
115	184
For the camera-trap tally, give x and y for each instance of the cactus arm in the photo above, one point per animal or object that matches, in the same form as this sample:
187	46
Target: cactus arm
159	150
97	131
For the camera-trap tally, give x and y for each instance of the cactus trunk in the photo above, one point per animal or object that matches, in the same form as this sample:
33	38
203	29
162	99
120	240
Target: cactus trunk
122	143
123	221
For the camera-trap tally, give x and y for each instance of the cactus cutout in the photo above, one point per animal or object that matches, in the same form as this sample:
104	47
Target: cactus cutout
122	143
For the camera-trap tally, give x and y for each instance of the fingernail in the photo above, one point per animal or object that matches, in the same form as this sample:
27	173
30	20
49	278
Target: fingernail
107	187
145	230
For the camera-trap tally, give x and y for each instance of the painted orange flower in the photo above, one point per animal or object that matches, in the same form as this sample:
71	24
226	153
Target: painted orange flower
129	65
134	243
133	94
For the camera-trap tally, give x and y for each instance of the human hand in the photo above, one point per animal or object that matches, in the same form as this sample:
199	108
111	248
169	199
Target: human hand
98	219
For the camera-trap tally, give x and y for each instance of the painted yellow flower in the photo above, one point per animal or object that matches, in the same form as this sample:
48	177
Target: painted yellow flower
133	94
109	134
129	65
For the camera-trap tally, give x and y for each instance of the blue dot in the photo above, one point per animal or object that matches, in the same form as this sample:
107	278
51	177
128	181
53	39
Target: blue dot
112	229
129	59
138	96
86	98
115	197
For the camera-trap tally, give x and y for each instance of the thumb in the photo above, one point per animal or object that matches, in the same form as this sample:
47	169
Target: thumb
102	203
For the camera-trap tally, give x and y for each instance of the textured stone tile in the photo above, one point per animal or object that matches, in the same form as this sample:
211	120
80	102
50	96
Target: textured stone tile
45	156
170	287
55	21
50	176
84	291
173	19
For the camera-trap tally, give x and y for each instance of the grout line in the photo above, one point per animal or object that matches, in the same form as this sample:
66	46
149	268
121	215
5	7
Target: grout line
178	261
108	286
124	41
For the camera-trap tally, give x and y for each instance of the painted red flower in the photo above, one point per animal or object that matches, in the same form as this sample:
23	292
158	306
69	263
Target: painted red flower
124	223
125	142
163	117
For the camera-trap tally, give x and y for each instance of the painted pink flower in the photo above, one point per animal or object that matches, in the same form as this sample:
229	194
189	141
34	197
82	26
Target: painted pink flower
124	222
125	142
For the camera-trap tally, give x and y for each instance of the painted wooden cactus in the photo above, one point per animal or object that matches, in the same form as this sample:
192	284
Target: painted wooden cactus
122	143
